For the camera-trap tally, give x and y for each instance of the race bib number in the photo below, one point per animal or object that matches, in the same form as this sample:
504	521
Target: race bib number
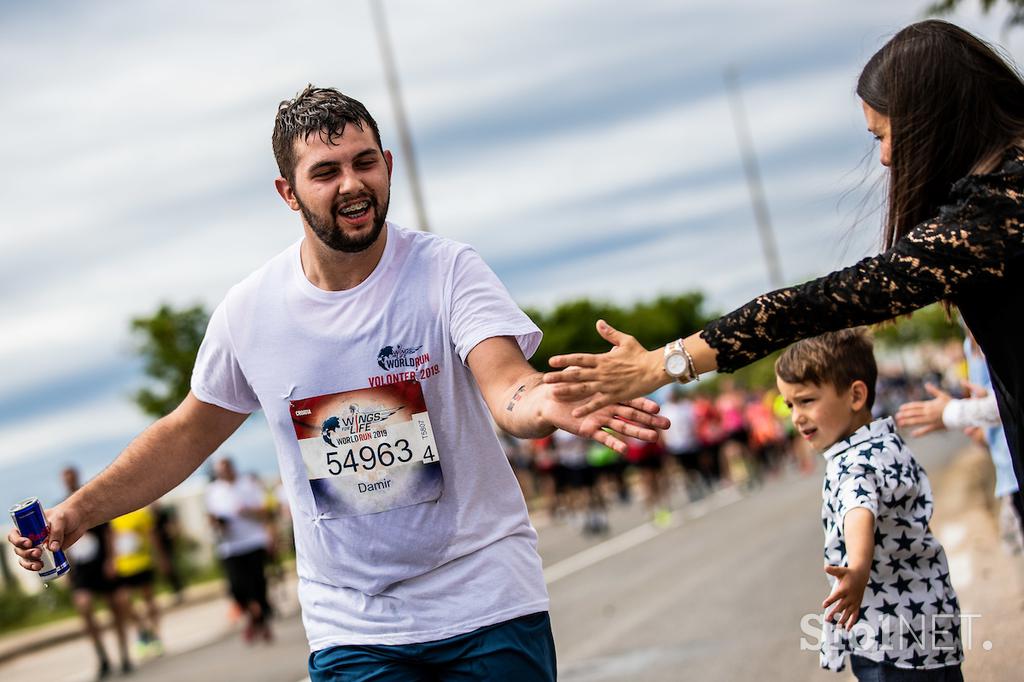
369	450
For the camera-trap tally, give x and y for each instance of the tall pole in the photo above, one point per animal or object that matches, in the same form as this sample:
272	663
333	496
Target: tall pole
753	174
404	137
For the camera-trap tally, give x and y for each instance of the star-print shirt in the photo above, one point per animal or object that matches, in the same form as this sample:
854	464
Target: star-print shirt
909	616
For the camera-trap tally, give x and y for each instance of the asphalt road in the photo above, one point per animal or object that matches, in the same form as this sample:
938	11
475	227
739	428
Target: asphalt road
718	595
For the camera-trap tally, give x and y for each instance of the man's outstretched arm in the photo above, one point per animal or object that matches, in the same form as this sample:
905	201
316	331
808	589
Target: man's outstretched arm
158	459
524	406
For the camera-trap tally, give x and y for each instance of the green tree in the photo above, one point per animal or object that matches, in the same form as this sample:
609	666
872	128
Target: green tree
570	328
168	343
930	323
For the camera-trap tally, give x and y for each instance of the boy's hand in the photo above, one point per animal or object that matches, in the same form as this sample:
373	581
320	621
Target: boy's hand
847	595
977	434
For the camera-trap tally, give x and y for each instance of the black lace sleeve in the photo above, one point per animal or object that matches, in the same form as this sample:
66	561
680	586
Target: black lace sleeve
970	242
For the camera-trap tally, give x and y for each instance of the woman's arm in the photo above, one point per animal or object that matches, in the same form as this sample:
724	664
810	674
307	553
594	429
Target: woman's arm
967	244
968	412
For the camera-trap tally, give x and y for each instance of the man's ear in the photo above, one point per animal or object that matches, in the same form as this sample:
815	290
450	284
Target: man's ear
858	395
389	160
284	188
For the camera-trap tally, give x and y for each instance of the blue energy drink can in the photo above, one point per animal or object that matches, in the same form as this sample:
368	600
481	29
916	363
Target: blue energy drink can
28	517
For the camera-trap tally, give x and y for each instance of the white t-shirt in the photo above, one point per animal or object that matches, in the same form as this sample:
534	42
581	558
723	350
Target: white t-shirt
240	534
682	435
447	548
571	449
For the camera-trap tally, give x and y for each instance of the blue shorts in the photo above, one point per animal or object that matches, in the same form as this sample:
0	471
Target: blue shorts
516	650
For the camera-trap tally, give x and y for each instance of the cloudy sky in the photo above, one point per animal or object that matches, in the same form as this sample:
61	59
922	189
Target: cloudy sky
585	148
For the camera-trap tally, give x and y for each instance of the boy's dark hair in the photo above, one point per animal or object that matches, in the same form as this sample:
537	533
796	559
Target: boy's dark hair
323	111
836	358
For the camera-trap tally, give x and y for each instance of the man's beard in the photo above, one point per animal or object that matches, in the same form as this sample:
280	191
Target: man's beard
325	227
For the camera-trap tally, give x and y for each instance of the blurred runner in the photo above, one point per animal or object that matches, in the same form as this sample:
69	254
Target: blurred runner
273	567
767	439
610	472
580	483
709	430
136	556
519	458
735	453
93	576
649	461
549	473
682	443
166	533
238	513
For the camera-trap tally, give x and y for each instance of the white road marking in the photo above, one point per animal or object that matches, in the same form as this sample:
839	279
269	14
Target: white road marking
631	538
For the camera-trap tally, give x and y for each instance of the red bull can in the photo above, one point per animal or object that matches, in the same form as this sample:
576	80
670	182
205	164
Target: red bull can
28	517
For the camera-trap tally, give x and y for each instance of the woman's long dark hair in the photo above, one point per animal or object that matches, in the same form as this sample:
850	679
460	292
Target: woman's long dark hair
953	103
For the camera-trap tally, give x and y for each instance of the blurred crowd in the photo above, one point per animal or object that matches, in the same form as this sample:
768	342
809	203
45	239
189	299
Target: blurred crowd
729	436
122	565
734	437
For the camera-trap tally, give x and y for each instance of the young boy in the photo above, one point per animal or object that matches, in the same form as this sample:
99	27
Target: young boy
891	604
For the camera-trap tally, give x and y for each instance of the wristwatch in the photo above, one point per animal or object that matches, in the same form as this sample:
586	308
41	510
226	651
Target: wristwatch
678	363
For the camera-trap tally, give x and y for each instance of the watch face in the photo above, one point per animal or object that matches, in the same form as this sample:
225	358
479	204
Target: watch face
675	365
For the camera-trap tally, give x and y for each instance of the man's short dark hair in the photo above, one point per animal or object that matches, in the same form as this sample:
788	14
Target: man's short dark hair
323	111
837	359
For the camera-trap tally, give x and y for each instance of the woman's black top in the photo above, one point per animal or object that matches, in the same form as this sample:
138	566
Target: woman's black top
971	253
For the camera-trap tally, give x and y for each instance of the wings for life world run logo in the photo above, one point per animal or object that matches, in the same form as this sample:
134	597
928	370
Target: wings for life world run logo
336	431
395	357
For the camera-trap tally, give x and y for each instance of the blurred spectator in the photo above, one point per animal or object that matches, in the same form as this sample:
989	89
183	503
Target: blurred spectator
93	576
976	412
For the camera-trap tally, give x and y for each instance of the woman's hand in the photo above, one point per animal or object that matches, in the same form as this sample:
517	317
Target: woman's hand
627	371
